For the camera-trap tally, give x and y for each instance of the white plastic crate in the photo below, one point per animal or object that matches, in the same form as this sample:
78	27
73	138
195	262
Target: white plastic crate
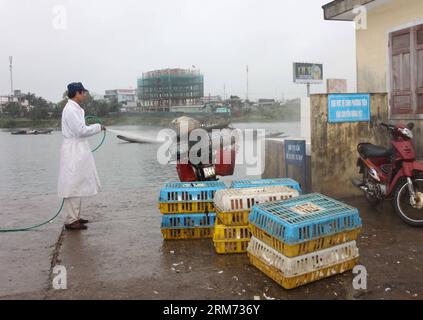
291	267
231	200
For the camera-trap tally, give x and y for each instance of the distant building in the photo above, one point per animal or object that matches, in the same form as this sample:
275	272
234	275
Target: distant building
121	95
126	97
266	102
17	93
4	100
161	89
211	99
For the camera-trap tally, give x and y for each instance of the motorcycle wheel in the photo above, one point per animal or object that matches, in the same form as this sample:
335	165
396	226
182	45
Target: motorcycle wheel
410	215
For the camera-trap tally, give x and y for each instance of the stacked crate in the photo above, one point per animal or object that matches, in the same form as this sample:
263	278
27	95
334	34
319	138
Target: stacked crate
188	210
286	182
232	233
305	239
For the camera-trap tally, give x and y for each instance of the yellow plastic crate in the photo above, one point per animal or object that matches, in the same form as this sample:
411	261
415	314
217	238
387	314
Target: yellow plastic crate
186	207
231	239
228	247
187	233
236	218
305	247
300	280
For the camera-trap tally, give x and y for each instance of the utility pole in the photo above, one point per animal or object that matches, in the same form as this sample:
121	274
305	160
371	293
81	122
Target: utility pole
170	99
11	75
247	82
224	92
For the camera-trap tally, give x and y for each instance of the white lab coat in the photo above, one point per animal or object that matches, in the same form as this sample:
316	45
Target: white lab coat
78	174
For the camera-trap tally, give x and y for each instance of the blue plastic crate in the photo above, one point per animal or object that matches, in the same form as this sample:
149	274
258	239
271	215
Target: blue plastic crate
185	221
320	216
190	191
286	182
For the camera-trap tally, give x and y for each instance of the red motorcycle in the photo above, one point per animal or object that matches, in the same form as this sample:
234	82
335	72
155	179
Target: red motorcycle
220	162
393	174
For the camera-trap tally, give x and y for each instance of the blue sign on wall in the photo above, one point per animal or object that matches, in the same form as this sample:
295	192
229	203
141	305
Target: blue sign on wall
295	154
295	151
348	108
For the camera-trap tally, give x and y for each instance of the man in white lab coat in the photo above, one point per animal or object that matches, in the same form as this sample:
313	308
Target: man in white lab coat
78	174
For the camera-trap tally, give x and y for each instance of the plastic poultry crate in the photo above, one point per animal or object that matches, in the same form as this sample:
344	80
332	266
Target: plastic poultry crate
188	220
186	207
293	250
308	217
231	239
237	218
284	182
235	200
188	226
293	272
186	234
190	191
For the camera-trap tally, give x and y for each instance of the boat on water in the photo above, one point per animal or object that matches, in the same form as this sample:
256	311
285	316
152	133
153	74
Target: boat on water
207	123
31	132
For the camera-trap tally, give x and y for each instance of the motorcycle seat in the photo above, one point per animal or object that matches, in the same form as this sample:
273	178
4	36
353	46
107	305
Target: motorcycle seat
369	150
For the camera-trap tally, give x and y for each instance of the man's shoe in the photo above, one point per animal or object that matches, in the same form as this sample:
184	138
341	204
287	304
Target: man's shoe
75	226
83	221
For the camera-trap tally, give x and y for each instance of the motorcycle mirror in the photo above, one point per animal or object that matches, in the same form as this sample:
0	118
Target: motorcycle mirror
410	125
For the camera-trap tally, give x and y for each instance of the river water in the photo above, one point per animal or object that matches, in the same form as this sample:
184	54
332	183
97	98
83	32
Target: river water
29	164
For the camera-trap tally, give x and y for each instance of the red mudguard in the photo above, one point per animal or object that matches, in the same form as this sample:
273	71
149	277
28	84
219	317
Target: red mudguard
186	172
409	169
225	162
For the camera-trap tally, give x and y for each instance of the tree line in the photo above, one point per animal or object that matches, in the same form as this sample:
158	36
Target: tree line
40	109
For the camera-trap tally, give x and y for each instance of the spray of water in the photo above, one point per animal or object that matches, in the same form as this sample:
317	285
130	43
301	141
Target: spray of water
135	136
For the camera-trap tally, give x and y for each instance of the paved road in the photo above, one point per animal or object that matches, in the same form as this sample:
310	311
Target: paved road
122	256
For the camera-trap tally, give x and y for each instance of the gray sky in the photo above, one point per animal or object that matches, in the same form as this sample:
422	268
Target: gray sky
107	44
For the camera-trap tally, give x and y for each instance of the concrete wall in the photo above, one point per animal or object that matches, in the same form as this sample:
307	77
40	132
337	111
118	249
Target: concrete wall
372	49
333	146
275	165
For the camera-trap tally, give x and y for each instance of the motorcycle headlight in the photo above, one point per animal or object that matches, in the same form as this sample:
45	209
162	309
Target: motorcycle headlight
407	132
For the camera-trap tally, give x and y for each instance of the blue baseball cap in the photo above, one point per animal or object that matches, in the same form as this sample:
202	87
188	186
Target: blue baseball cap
75	87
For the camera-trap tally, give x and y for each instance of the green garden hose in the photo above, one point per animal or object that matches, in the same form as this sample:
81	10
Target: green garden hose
87	119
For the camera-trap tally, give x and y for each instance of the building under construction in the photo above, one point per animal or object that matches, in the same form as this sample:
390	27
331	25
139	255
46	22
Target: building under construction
159	90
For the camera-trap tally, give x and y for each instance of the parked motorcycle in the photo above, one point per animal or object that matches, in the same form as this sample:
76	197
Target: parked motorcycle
219	161
393	174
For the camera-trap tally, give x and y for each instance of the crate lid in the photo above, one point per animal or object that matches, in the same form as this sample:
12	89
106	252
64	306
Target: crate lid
190	191
184	186
265	190
305	208
305	218
223	199
246	183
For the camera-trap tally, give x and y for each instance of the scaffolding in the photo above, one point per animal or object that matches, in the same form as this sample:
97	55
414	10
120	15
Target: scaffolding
159	90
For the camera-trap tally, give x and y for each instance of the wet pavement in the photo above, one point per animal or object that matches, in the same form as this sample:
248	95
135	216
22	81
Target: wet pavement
123	256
